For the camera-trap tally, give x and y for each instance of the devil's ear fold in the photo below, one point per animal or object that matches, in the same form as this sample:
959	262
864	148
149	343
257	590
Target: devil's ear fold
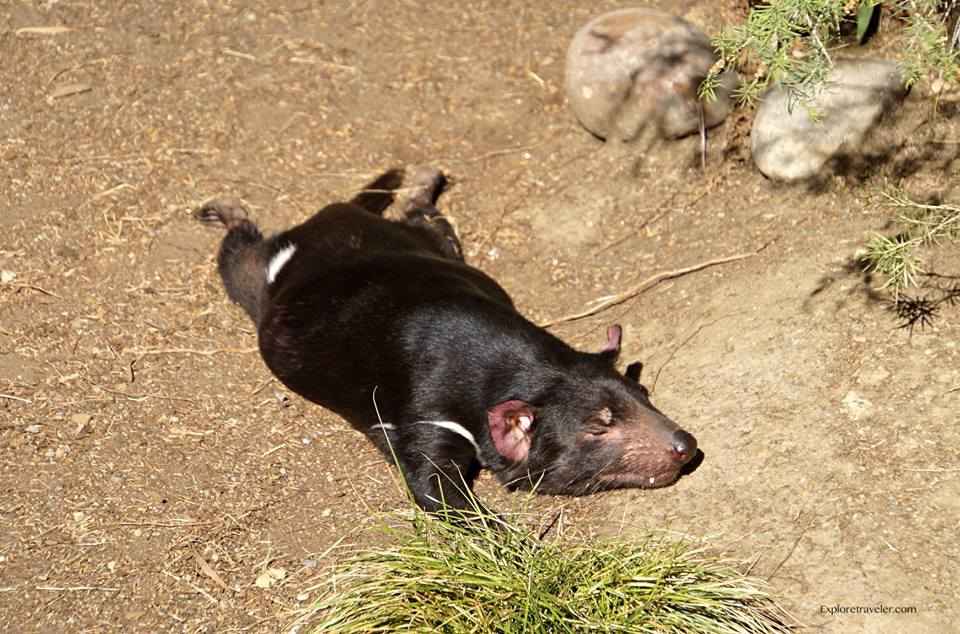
511	426
612	348
633	371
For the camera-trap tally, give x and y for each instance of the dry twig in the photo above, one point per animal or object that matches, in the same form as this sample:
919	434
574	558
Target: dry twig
182	524
208	570
16	398
643	286
493	154
32	287
207	353
77	589
42	30
193	587
934	470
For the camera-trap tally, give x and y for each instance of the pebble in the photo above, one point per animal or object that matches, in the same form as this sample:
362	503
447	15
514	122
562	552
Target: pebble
788	145
270	577
856	405
632	67
81	423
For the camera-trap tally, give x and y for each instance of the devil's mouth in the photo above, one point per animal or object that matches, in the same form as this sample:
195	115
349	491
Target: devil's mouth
638	480
588	484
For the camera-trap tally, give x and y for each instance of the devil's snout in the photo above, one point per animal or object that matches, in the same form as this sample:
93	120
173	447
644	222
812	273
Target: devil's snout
684	446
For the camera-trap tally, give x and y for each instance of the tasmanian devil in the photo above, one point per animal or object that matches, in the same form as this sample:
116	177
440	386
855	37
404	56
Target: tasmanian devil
381	321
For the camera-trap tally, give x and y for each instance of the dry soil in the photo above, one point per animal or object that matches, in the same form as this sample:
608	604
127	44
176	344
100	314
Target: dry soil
151	470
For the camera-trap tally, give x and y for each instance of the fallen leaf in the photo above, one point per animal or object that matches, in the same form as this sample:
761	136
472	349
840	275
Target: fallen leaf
209	571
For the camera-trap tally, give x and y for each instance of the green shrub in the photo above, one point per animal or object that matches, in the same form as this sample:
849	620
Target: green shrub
789	41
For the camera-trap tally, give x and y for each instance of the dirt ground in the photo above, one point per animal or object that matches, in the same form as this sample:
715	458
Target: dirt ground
150	469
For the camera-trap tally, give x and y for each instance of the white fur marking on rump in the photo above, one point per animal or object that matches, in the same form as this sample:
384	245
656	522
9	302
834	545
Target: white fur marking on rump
456	428
279	258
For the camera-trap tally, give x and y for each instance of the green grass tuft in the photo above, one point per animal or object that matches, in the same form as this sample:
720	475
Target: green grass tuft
488	575
896	257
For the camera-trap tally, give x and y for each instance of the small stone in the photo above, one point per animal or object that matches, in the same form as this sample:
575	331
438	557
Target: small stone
633	67
857	406
69	378
270	577
32	429
81	423
7	276
789	145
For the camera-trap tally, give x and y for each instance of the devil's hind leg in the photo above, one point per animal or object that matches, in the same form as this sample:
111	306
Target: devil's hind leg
379	194
242	259
419	209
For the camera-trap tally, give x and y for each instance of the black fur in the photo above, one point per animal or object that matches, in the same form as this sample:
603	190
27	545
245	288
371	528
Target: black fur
380	193
382	322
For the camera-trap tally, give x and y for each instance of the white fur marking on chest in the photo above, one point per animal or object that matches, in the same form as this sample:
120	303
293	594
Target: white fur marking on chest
279	258
456	428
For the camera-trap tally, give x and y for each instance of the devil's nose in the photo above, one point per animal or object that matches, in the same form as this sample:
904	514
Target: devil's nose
684	446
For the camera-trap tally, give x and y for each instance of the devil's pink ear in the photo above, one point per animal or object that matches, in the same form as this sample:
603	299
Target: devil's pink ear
511	429
612	347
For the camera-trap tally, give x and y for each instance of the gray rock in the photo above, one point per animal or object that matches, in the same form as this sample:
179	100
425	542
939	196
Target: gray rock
791	146
630	68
